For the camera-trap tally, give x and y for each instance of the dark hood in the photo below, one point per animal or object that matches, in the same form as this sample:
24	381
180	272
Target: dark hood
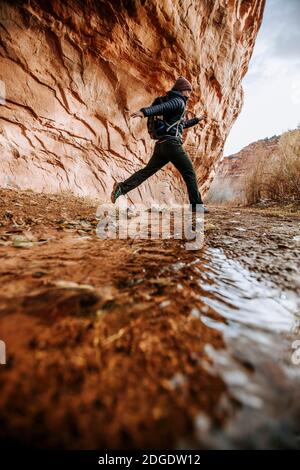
176	94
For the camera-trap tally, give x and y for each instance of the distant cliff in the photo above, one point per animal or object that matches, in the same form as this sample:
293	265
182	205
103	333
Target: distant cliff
231	172
73	70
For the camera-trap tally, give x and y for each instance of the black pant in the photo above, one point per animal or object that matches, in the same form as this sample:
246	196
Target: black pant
168	151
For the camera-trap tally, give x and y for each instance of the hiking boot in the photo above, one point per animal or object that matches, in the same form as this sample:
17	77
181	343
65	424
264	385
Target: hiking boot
200	206
116	192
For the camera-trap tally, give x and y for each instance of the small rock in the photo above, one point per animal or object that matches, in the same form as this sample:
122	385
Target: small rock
164	303
8	214
195	313
72	285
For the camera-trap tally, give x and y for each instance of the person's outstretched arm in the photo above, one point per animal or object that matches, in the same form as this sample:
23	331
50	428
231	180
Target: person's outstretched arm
158	109
192	122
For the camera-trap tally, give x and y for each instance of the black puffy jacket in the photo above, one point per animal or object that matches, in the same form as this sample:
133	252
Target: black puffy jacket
171	111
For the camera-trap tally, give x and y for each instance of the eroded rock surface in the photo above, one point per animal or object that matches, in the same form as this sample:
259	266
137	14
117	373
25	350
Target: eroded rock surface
72	71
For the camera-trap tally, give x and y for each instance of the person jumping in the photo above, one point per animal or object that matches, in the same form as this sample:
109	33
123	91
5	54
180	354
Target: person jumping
168	146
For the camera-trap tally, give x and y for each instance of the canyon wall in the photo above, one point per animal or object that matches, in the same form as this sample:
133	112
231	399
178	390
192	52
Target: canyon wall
72	71
231	172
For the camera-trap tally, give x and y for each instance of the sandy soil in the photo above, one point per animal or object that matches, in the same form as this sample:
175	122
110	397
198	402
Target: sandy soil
104	349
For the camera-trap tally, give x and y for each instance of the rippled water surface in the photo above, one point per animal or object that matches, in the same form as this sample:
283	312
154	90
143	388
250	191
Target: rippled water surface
259	324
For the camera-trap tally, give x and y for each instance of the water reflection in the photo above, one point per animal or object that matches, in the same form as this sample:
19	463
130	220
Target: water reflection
259	323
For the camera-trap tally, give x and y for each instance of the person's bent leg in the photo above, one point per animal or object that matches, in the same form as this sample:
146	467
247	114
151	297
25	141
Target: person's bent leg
155	163
183	163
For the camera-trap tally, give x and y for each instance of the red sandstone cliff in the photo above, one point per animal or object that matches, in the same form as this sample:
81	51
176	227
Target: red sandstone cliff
228	181
73	70
237	164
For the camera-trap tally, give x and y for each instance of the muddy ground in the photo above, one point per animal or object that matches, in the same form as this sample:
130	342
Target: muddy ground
104	344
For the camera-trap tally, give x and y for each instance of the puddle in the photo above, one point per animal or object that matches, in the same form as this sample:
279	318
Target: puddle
259	323
237	295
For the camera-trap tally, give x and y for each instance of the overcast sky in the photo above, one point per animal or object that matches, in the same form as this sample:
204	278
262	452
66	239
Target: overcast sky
272	83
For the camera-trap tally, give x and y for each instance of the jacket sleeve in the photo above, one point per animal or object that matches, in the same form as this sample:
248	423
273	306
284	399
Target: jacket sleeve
156	110
191	122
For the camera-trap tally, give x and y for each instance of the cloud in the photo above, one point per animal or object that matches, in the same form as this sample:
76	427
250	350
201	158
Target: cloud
285	22
272	84
278	41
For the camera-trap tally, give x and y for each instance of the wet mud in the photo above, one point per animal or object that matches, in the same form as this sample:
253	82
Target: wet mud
142	343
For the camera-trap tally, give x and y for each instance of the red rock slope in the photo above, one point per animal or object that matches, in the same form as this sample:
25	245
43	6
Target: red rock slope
228	183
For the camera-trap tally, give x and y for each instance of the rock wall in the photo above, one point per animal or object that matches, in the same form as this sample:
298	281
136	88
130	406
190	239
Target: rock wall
230	172
72	71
